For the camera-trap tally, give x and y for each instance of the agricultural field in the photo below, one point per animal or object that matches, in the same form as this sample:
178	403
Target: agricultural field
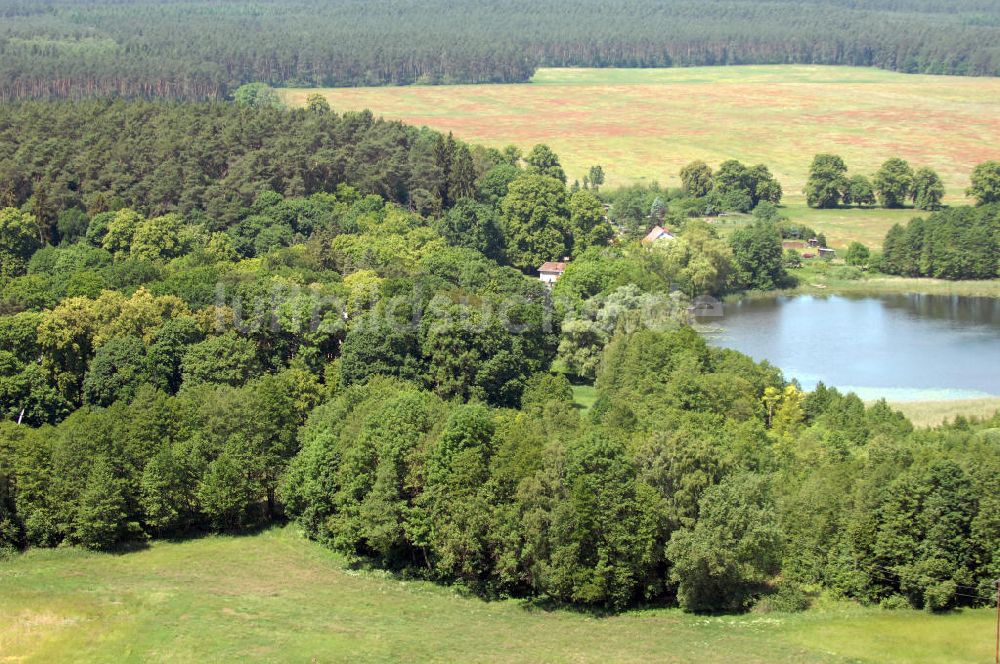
645	124
277	597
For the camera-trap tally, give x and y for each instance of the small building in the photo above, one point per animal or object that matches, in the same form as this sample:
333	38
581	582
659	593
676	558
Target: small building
550	272
828	254
813	242
658	233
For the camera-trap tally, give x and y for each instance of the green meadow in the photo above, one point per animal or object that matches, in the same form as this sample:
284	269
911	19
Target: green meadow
276	597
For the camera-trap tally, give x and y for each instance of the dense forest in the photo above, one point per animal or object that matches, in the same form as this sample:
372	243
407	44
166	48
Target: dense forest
216	316
204	50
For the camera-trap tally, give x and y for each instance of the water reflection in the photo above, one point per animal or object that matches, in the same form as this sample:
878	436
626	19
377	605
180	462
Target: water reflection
897	346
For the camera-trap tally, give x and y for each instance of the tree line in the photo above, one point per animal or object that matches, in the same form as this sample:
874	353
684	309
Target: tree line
357	341
201	50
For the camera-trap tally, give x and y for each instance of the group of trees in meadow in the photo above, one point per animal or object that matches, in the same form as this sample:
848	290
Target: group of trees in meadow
203	50
895	183
734	187
353	337
957	243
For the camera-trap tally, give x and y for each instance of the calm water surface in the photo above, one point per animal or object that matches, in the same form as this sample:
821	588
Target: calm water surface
901	347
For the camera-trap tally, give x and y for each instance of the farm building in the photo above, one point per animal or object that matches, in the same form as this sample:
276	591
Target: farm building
827	253
658	233
550	272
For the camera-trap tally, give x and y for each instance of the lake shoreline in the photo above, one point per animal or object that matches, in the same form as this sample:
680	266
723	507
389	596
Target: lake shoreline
875	286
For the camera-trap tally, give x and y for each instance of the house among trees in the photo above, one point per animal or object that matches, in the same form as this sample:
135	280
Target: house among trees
550	272
658	233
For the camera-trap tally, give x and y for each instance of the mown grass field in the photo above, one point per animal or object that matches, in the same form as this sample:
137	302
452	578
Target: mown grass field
645	124
275	597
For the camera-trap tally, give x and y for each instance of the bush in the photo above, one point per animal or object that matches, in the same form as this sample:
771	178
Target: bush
894	603
789	597
846	273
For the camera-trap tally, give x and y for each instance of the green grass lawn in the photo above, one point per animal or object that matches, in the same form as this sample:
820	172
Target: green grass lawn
277	597
645	124
584	397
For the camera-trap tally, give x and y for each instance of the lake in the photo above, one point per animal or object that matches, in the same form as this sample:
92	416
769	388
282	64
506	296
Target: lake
901	347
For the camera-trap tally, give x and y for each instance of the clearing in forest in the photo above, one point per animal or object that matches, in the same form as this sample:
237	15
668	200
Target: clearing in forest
645	124
274	597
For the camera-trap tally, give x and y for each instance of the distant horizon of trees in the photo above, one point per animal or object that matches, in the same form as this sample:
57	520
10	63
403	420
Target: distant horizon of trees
202	50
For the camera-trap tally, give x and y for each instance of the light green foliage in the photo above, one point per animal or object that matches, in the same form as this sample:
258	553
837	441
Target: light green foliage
700	261
857	254
18	240
121	230
757	256
696	179
543	161
588	225
535	221
256	95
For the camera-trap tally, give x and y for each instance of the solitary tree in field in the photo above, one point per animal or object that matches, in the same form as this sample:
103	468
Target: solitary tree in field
696	179
596	177
894	182
986	183
928	189
827	181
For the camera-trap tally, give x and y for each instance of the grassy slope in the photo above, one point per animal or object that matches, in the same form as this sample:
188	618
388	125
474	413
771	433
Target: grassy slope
277	597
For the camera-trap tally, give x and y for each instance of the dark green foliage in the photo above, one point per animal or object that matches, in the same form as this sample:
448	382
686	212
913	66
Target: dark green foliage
723	561
117	370
894	183
757	255
828	183
958	243
102	521
474	226
741	188
859	191
227	359
985	187
212	157
928	189
205	50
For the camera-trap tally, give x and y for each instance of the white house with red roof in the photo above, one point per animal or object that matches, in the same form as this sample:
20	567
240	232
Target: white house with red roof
658	233
550	272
